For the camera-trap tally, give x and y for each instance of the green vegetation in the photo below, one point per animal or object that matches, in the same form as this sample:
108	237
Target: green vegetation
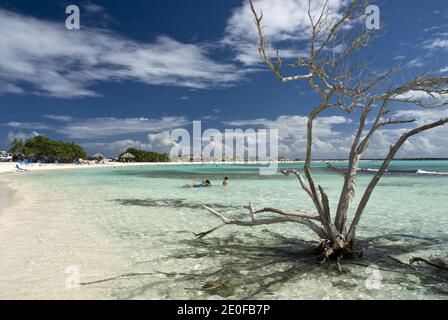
44	149
147	156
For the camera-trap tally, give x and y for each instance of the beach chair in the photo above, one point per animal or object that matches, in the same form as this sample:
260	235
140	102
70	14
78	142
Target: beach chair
19	169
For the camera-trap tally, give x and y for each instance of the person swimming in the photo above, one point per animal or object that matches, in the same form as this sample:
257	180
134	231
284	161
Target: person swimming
225	183
204	183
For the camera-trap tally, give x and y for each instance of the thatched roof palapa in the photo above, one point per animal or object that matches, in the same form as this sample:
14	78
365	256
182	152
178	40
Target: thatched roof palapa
98	156
127	155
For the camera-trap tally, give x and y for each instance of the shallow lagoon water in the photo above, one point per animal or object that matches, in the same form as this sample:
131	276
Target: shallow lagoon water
147	220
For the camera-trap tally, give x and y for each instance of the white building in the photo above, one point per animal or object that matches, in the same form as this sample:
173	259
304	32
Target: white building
5	156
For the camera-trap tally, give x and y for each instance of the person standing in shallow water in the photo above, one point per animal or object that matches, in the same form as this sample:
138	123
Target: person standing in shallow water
225	183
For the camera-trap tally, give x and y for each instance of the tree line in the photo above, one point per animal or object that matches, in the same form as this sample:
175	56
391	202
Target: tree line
146	156
41	148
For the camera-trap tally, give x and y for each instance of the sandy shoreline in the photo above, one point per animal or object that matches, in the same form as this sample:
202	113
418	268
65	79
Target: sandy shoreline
6	193
10	167
44	249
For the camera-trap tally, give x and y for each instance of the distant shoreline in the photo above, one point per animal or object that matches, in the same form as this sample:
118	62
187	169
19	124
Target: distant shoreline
9	167
398	159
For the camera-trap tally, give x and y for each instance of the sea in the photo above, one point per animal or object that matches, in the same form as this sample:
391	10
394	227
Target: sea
147	220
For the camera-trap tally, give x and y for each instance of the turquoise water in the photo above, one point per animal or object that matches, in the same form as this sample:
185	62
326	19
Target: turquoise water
148	220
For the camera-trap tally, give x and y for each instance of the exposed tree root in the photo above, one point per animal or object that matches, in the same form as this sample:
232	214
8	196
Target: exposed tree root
440	266
415	260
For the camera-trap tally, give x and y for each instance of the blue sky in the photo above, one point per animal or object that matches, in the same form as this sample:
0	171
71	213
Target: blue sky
139	69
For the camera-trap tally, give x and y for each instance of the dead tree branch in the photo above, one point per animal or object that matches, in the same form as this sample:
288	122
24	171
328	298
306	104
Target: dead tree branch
393	151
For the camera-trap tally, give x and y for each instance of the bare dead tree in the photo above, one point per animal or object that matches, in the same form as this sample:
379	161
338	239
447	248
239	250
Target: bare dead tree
344	80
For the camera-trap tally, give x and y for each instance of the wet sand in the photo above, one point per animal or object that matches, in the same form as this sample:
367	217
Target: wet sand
44	253
6	195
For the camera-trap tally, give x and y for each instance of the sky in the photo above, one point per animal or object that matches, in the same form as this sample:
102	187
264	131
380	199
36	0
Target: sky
137	70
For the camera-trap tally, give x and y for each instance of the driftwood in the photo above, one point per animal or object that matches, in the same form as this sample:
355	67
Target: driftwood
341	82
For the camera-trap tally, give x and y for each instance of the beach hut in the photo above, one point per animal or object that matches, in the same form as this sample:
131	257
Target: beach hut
98	156
127	157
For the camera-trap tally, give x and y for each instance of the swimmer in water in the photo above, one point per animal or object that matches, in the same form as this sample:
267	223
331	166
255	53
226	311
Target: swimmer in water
204	183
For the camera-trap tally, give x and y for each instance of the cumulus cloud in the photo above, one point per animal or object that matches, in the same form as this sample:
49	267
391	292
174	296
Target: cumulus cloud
55	62
285	21
430	143
161	142
433	99
328	140
333	135
423	115
295	124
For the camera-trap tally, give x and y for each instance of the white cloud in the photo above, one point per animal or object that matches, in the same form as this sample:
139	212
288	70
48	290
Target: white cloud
114	148
59	63
328	141
59	117
29	125
437	43
423	115
21	135
288	125
431	143
91	7
415	63
107	127
9	88
433	99
333	136
103	127
159	142
285	21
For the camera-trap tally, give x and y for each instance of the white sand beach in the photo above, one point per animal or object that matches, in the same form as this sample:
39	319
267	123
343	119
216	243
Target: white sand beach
10	167
43	250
